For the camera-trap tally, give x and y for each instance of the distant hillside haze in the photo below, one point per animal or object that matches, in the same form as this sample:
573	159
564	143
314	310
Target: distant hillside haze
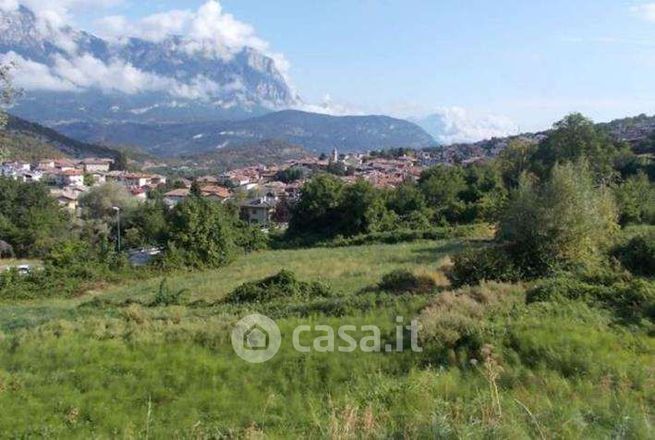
315	132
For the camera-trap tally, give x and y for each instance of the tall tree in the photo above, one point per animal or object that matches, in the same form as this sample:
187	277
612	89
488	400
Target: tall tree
576	138
563	222
317	211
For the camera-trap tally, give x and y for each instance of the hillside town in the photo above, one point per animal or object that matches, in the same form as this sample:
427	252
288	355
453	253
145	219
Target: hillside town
258	190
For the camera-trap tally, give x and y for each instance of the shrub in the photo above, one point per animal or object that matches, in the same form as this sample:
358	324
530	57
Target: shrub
630	300
166	297
401	281
491	263
562	223
283	285
638	255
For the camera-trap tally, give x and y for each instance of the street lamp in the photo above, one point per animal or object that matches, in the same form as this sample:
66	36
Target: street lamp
117	210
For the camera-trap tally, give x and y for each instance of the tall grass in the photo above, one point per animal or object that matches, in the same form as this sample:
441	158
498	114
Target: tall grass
493	366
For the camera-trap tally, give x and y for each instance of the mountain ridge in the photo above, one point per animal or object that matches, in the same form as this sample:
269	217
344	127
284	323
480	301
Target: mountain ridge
315	132
133	78
25	140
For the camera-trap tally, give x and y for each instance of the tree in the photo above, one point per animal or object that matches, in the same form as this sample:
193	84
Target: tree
201	234
441	186
636	200
291	174
515	160
7	91
317	211
30	220
120	163
562	223
6	96
196	189
363	210
99	202
485	193
147	225
576	138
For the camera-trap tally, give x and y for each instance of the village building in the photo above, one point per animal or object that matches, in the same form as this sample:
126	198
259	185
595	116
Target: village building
259	211
176	196
92	166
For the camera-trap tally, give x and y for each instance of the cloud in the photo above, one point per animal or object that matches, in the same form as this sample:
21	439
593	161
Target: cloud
646	11
328	107
84	72
35	76
455	124
57	12
209	31
72	71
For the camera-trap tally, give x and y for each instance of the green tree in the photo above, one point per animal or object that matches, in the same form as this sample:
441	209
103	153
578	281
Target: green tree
121	163
576	138
98	202
147	225
408	203
363	210
201	234
636	200
515	160
30	220
442	186
564	222
317	211
485	193
7	91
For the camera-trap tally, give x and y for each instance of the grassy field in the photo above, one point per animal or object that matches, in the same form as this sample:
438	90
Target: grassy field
108	366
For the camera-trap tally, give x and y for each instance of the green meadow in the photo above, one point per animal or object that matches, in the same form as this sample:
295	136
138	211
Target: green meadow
109	364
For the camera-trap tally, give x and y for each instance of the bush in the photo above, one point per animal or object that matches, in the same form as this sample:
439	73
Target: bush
284	285
491	263
563	223
630	300
401	281
166	297
638	255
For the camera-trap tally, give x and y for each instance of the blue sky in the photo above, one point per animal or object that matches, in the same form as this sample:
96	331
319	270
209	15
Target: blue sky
530	61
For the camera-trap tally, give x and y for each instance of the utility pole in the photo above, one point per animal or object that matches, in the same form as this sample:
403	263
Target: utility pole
118	227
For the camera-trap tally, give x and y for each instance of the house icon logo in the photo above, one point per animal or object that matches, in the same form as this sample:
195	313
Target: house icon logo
256	338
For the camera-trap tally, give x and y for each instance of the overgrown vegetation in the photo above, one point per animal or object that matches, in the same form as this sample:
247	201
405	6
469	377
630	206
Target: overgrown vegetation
546	332
283	285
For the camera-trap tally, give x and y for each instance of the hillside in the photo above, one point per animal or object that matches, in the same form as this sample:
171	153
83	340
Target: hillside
28	141
314	132
638	132
266	152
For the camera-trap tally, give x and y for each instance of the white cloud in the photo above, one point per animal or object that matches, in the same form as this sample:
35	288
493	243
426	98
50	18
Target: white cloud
83	72
57	12
455	124
328	107
35	76
646	11
209	30
75	72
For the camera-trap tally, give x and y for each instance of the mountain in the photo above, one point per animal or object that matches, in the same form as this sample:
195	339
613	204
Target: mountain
315	132
265	152
71	75
26	140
